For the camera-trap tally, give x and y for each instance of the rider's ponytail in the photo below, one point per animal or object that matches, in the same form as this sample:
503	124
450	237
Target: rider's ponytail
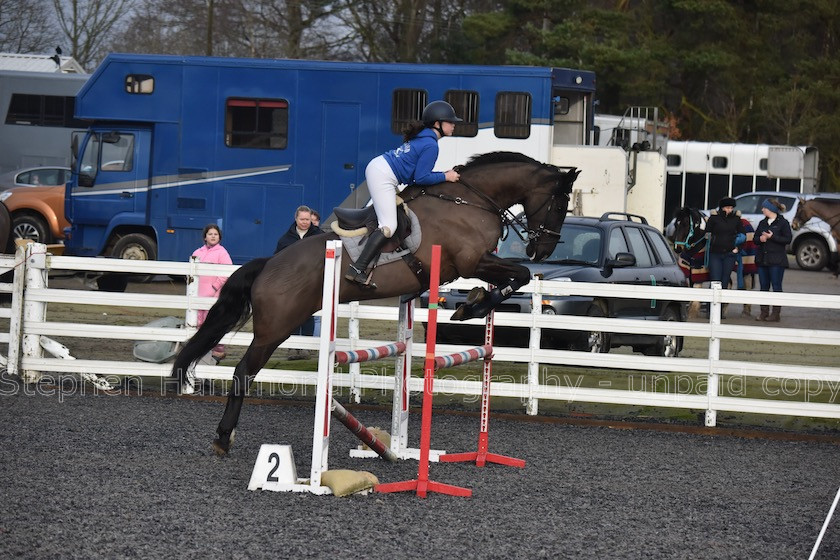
413	129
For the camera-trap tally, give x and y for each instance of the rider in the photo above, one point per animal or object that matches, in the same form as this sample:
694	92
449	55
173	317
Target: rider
411	163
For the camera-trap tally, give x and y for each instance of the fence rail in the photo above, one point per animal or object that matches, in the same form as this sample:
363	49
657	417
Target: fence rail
30	328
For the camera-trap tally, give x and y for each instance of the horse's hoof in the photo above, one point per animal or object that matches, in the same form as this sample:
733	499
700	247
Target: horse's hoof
476	296
219	449
222	444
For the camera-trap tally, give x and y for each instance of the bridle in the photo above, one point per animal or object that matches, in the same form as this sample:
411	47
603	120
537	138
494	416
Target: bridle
688	245
507	217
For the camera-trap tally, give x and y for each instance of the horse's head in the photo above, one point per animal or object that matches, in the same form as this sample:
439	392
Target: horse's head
545	209
687	231
508	178
803	213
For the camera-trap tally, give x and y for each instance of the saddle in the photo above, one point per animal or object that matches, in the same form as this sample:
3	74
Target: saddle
353	225
356	222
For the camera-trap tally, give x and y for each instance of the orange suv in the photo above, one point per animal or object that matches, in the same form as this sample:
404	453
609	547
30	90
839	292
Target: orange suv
37	212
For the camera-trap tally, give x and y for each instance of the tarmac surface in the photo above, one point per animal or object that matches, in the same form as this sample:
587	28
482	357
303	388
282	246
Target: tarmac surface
116	476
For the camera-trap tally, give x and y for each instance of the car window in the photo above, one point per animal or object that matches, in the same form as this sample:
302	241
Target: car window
749	204
788	201
639	247
577	243
663	251
617	243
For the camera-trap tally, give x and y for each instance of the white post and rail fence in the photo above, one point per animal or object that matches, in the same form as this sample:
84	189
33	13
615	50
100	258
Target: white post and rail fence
33	353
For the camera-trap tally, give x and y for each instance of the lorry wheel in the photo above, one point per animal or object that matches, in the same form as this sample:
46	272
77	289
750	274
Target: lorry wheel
811	254
30	226
137	247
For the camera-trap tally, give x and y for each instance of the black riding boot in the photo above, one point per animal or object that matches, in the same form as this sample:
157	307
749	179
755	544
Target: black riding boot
358	271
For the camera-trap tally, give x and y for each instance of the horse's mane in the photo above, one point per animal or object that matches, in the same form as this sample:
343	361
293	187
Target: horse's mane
497	157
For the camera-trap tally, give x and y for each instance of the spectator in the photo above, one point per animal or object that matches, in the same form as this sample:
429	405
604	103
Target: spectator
300	228
316	327
209	286
771	236
726	230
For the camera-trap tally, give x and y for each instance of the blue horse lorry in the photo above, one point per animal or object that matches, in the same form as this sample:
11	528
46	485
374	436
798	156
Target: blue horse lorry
175	143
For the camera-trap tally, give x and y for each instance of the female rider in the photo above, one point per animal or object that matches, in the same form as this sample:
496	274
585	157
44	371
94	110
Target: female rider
411	163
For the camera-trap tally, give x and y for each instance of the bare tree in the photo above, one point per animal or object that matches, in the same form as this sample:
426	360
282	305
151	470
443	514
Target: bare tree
25	27
88	23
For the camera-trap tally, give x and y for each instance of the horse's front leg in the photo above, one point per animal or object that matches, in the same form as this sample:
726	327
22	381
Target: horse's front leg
506	276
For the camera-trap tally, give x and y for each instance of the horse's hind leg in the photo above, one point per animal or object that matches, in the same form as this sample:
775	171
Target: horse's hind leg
253	360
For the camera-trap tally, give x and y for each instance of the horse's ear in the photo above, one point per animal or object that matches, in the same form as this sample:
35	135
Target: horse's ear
458	168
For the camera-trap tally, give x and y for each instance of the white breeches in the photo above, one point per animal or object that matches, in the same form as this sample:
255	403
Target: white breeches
382	185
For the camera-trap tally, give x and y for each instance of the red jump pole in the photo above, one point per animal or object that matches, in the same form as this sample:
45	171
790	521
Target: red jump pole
483	456
422	484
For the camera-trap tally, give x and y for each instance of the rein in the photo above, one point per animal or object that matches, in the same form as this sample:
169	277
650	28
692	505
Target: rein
507	217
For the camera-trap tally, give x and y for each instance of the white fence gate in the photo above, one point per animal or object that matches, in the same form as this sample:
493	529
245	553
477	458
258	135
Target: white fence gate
30	331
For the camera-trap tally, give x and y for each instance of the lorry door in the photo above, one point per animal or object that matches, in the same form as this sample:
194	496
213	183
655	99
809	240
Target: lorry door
113	180
340	158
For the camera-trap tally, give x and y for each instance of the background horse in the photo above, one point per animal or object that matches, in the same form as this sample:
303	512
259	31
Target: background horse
690	244
829	212
464	218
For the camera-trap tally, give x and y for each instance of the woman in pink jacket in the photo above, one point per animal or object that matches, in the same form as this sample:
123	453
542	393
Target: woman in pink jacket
209	286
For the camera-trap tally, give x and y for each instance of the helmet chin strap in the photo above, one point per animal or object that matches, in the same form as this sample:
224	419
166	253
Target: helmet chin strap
439	128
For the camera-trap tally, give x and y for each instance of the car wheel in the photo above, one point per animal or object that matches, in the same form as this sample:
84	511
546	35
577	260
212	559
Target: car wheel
30	226
669	345
597	342
811	254
136	247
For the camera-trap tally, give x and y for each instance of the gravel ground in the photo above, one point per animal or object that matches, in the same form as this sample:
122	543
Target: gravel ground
89	476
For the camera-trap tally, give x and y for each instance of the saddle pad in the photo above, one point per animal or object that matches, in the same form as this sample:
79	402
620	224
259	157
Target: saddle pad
353	249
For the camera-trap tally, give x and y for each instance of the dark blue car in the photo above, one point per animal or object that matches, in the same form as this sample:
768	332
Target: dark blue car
616	248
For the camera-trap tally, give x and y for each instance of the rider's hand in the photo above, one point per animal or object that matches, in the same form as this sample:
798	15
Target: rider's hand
452	176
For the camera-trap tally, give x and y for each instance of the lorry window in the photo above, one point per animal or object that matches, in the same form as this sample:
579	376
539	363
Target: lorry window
257	123
117	155
406	108
513	115
720	162
139	83
465	104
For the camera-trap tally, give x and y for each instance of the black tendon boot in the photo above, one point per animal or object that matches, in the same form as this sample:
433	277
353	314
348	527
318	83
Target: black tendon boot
358	271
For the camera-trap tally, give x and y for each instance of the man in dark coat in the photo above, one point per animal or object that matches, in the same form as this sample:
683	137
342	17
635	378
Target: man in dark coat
300	228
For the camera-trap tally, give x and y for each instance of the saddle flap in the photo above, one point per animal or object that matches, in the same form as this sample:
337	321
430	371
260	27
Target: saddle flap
354	218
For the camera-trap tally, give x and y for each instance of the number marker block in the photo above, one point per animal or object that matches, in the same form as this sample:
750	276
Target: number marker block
274	468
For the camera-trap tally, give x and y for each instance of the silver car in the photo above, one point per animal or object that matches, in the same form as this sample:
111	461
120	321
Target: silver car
812	244
44	176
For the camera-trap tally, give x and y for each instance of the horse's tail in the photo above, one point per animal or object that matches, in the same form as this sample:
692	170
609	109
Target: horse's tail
231	310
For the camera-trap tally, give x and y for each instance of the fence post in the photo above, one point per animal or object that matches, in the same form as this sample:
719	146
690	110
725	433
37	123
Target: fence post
16	318
355	368
714	354
191	318
36	278
532	406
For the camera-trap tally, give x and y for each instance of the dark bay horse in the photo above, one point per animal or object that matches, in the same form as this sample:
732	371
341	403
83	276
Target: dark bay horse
828	211
464	218
690	244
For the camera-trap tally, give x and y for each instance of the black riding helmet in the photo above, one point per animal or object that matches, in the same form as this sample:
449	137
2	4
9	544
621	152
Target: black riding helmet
439	111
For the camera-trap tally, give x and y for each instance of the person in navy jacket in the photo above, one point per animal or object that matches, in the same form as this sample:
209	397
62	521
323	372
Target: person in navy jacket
771	238
411	163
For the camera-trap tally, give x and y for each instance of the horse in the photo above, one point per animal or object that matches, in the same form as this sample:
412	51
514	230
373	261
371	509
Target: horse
690	243
828	211
465	218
